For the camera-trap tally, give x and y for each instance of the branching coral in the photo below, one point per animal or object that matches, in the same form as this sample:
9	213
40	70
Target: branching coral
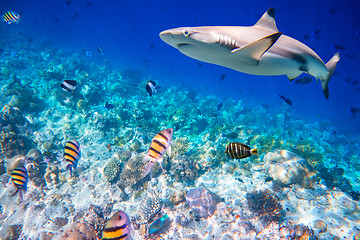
263	204
112	170
180	147
132	172
151	205
184	169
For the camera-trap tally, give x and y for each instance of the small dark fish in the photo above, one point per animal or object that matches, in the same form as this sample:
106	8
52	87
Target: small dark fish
219	106
222	77
239	179
304	80
317	31
109	106
306	36
152	46
239	150
156	225
268	179
19	177
355	82
11	17
232	135
338	47
333	10
100	50
354	111
87	53
72	155
48	156
117	227
287	100
68	85
151	87
347	80
266	106
76	15
351	56
68	3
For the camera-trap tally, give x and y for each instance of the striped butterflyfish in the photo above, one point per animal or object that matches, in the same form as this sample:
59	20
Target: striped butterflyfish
48	156
11	17
159	145
72	155
239	150
118	227
19	177
68	85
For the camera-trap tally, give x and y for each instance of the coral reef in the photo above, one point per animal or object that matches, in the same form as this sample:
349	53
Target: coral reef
180	147
52	175
150	205
112	170
36	170
287	168
14	162
132	172
202	201
13	232
265	205
79	231
301	232
177	198
94	216
184	169
334	178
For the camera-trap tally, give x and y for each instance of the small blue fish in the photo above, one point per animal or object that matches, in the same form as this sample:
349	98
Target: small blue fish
157	225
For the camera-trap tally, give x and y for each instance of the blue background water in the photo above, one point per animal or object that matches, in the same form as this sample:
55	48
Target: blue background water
128	33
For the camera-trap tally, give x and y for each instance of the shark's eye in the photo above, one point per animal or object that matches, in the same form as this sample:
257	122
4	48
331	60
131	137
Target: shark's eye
186	33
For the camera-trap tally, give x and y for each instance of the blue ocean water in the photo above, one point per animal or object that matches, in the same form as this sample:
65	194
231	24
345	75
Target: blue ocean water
128	32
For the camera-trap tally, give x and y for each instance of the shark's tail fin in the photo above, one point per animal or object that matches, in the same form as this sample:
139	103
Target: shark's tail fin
330	65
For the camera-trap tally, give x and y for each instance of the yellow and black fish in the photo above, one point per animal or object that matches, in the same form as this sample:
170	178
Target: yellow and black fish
159	145
11	17
19	177
72	155
118	227
239	150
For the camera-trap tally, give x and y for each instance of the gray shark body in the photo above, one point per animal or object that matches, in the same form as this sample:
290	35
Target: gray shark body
259	50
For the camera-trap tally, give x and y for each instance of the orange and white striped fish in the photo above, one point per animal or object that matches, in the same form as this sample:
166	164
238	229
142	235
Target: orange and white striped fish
159	145
118	227
72	155
19	177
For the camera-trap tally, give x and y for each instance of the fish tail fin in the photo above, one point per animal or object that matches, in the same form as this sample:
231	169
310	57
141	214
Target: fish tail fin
17	190
148	169
330	65
254	151
69	167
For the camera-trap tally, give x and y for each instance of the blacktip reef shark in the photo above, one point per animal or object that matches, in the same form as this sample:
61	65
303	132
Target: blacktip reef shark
259	50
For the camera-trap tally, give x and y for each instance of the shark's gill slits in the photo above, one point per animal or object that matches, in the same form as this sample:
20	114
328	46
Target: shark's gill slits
228	42
183	44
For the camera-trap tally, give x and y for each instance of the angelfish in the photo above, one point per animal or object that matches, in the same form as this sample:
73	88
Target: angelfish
259	50
159	145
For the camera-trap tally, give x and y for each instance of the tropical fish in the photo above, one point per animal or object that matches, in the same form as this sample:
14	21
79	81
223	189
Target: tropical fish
100	50
259	50
72	155
118	227
151	87
68	85
287	100
19	177
11	17
239	150
156	225
109	106
159	145
48	156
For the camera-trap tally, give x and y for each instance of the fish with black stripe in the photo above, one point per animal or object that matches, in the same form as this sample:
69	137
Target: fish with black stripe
68	85
239	150
159	145
118	227
11	17
19	177
72	155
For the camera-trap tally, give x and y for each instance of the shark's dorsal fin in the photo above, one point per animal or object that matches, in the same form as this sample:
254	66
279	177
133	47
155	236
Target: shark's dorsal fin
267	21
251	53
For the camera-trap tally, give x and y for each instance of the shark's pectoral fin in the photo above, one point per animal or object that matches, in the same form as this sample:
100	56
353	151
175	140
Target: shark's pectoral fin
251	53
292	76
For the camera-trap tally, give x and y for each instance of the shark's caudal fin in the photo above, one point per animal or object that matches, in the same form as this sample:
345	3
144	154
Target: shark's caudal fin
330	65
